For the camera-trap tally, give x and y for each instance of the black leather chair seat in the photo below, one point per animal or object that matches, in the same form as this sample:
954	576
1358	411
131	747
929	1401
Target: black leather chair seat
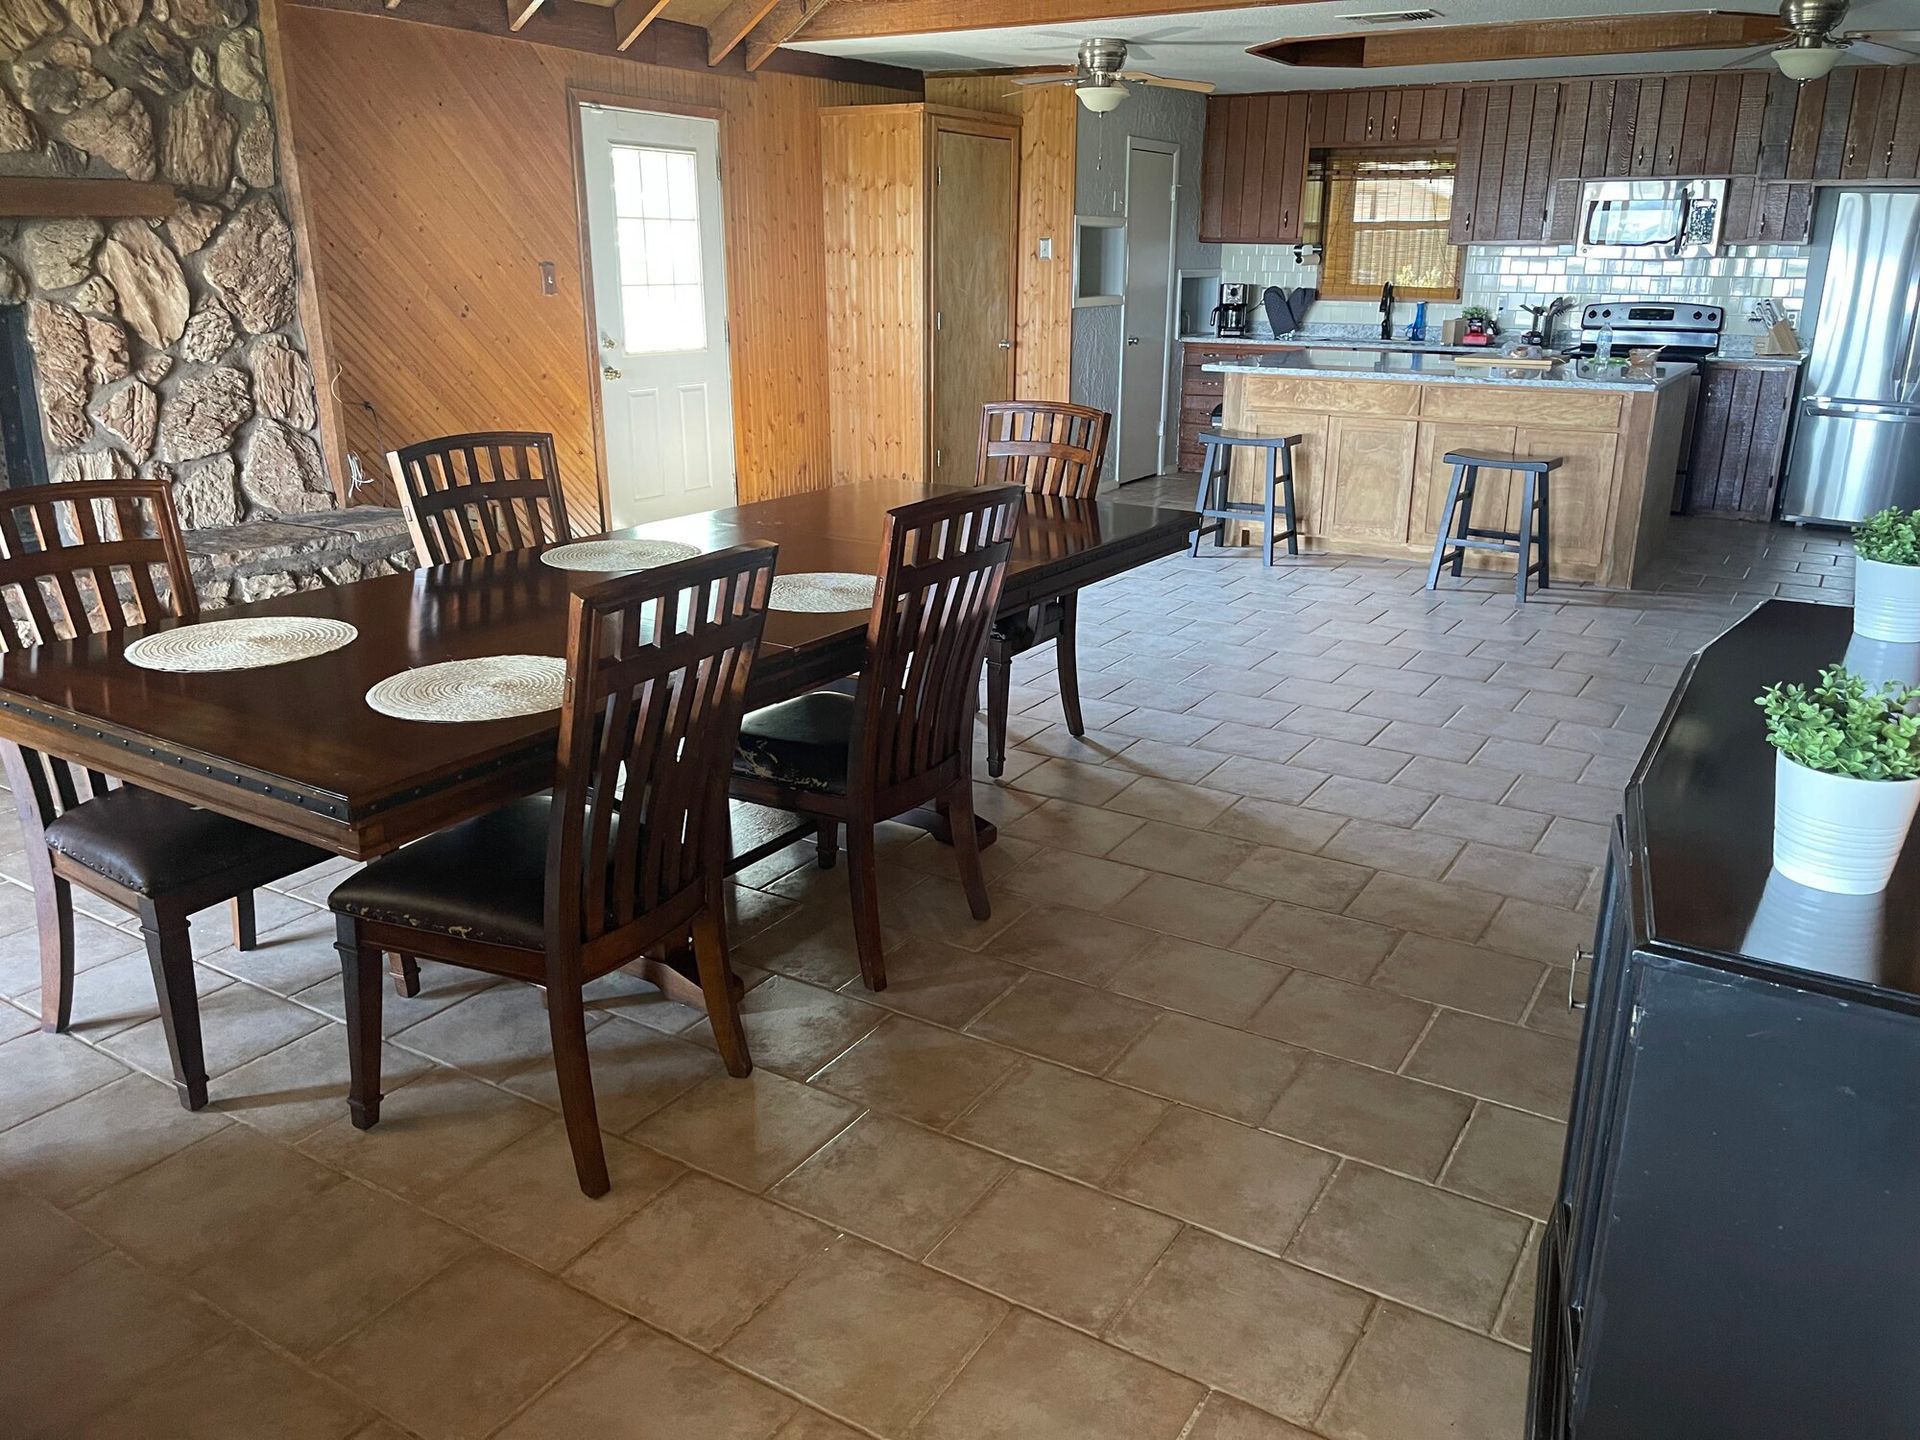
801	742
156	846
485	879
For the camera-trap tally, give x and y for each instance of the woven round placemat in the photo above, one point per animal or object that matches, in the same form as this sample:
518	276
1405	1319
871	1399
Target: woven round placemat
617	554
488	687
822	592
239	644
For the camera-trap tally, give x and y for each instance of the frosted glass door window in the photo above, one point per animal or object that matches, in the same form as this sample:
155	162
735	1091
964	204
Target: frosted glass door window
657	218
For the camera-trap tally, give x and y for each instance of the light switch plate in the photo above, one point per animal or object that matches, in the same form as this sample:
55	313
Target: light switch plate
1046	247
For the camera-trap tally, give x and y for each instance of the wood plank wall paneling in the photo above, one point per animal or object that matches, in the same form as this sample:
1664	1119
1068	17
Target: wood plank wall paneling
439	171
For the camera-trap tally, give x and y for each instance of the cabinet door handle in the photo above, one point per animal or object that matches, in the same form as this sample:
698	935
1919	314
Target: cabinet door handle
1573	977
1640	156
1850	153
1889	154
1285	216
1669	154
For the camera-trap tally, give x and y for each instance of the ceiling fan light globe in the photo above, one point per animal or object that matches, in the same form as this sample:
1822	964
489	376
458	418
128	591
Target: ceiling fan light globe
1102	98
1806	62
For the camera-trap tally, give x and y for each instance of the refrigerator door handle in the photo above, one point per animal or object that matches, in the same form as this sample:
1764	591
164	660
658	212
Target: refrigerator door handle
1821	405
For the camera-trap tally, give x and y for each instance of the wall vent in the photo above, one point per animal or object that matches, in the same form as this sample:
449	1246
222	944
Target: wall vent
1392	17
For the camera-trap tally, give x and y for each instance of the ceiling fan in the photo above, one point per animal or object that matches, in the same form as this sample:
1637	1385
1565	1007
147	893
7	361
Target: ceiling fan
1099	72
1817	43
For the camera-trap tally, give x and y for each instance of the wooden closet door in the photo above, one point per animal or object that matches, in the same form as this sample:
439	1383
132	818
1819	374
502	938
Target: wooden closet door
974	223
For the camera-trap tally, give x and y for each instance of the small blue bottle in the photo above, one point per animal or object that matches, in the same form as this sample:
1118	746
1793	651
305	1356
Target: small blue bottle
1417	331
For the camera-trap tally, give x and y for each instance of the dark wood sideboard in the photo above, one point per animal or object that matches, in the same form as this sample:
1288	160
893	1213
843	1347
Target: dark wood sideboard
1734	1253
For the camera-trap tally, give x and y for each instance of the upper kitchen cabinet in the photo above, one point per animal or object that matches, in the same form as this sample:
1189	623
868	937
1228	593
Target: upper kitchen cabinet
1253	170
1424	115
1505	175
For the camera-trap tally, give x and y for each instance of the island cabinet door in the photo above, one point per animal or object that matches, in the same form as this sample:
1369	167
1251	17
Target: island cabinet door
1309	463
1496	501
1581	494
1367	490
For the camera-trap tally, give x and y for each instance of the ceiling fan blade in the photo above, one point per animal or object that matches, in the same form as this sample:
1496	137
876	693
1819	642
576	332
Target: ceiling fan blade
1141	77
1882	54
1746	58
1034	81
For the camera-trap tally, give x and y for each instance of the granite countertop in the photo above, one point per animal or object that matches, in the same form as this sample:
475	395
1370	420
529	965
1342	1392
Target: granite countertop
1349	364
1332	342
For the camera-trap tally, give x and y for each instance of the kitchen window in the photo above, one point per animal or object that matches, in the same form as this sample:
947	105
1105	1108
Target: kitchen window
1386	222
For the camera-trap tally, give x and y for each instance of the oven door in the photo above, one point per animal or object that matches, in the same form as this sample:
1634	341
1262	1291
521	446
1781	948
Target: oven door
1650	219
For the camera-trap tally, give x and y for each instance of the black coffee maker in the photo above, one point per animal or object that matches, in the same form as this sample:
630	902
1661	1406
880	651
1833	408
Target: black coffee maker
1233	316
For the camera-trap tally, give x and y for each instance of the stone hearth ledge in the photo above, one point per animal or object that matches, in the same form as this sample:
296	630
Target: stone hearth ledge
232	564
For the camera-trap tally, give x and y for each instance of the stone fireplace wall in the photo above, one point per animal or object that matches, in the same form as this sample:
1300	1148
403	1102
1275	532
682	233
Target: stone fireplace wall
169	347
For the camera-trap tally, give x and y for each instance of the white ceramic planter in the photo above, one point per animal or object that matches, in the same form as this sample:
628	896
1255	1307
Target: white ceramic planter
1886	601
1836	833
1883	662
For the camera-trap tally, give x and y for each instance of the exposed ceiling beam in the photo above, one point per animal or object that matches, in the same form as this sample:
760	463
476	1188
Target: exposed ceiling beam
786	20
734	24
630	17
860	19
1528	40
521	11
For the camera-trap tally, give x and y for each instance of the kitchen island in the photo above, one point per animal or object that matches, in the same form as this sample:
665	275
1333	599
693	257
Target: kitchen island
1375	426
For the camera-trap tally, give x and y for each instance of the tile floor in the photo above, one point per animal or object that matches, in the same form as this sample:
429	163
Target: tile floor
1236	1122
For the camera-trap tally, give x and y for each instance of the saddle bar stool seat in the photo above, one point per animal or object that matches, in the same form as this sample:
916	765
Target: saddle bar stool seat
1458	534
1212	503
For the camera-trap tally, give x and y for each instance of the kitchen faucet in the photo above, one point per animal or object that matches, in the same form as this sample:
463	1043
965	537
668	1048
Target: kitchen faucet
1386	311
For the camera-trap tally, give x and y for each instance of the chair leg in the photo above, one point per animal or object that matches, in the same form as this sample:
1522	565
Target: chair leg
405	971
1526	540
716	983
1273	486
863	883
1201	497
826	842
999	696
53	903
1543	492
1293	515
1446	526
246	931
567	1024
1067	662
361	983
170	954
1470	479
958	809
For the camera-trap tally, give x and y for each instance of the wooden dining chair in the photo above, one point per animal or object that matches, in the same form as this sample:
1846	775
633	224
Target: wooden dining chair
82	559
1055	449
472	495
904	737
627	852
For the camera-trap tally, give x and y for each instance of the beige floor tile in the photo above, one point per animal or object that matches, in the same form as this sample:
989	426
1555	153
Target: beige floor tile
700	1259
1306	939
1172	802
1088	948
1433	907
1201	980
94	943
1269	822
1415	1378
1429	1248
526	1198
1309	880
1516	1314
1214	1067
496	1034
39	1071
1540	932
796	1028
238	1023
288	959
1371	1115
75	1346
1061	1120
1210	914
1165	761
1389	847
67	1154
1243	1183
916	1070
1226	1418
118	994
1354	1022
302	1087
321	1269
1057	1247
1516	1067
1478	820
1037	1381
1397	803
1064	1021
1063	825
636	1071
238	1387
814	943
1086	882
866	1335
640	1385
1072	780
1465	977
430	1130
1259	1328
1538	878
440	986
892	1183
181	1213
1510	1159
1176	850
937	909
39	1244
1253	779
749	1130
505	1329
937	982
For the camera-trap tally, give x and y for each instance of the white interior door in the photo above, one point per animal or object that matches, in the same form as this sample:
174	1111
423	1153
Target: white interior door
660	301
1153	169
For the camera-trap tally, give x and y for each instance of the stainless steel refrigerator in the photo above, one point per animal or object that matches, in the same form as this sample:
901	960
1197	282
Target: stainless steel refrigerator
1856	441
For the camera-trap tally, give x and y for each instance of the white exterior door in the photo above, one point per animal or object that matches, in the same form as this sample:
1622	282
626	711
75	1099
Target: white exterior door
1152	172
660	300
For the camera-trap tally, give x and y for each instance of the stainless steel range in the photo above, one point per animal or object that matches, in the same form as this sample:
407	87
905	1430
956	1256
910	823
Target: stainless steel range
1683	330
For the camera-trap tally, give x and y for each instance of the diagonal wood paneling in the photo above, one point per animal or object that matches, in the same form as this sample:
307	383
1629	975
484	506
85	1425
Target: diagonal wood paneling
438	170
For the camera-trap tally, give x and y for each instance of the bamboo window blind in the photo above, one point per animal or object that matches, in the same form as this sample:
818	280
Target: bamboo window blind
1386	221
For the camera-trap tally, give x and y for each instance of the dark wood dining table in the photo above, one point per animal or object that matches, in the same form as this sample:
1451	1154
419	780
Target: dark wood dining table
296	749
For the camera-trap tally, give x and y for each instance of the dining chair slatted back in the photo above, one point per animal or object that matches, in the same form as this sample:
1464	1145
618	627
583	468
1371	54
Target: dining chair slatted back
944	561
471	495
1048	447
658	667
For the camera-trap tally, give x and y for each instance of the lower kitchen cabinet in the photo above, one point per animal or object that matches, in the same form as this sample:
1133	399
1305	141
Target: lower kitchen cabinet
1740	439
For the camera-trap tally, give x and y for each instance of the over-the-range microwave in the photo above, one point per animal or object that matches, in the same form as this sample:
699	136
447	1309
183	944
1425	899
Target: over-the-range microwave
1651	219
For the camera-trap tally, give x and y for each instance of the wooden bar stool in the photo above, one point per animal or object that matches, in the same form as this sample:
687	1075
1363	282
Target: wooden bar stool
1213	504
1458	533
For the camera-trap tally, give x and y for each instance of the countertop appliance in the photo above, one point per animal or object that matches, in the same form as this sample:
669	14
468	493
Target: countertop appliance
1683	330
1856	439
1233	316
1651	219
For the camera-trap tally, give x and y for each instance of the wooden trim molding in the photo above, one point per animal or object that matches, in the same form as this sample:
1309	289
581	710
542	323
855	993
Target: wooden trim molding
34	198
786	20
864	19
1527	40
732	25
631	17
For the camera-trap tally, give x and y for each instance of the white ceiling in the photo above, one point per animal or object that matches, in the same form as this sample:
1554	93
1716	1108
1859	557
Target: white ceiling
1212	45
